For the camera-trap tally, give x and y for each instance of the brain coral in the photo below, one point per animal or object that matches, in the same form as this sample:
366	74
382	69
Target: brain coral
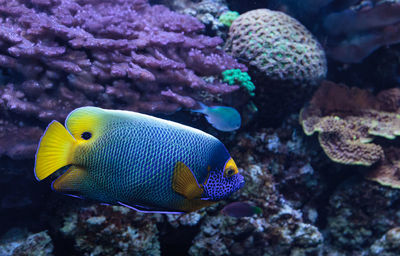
277	45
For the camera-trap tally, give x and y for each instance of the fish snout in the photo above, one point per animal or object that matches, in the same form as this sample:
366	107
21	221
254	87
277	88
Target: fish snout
241	181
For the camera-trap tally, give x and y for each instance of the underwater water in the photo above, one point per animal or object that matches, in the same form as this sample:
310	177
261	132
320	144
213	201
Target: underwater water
296	110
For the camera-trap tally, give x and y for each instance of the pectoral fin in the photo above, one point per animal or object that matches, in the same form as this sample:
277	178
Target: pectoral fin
184	182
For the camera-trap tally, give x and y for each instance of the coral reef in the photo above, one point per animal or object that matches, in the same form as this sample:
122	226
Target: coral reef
308	208
112	230
389	243
352	29
362	29
39	244
56	55
360	213
206	11
347	121
59	55
18	141
280	230
236	76
277	45
228	17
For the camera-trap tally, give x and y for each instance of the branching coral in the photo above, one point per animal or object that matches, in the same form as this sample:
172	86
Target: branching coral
59	55
236	76
347	121
228	17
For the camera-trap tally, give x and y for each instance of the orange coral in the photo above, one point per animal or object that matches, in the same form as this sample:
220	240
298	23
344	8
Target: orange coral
348	120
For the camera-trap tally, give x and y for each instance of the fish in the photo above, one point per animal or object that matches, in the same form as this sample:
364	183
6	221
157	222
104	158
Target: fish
135	160
226	119
240	209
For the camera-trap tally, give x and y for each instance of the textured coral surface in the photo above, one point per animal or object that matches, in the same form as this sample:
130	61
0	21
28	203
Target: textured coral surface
59	55
56	55
277	45
347	121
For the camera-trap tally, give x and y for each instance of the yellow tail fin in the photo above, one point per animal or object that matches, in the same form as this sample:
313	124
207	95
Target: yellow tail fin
54	150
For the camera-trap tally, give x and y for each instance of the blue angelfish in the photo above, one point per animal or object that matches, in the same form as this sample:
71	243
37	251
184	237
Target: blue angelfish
136	160
222	118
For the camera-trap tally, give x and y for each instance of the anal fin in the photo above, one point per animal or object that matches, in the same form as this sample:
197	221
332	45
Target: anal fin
73	182
148	209
77	182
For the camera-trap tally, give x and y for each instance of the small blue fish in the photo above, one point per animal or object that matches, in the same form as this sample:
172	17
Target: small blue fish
222	118
240	209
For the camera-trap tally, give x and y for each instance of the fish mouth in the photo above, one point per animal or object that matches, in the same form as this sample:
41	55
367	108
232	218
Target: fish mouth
241	182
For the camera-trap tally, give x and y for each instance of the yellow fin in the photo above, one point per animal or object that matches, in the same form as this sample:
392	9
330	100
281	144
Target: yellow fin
184	182
54	150
73	180
85	119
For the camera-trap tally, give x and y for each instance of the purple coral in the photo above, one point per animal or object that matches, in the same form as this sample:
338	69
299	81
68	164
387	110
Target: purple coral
62	54
362	29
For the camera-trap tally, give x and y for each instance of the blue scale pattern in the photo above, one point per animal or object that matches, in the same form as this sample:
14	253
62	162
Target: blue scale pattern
134	158
219	187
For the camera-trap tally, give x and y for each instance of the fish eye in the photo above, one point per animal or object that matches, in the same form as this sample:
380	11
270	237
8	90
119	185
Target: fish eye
230	168
229	172
86	135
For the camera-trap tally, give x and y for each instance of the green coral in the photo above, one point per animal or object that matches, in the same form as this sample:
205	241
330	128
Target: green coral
278	46
236	76
228	17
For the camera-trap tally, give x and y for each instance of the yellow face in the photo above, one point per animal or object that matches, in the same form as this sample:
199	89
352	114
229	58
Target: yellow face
86	127
230	168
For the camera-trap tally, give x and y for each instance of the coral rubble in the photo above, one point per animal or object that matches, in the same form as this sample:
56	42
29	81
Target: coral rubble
360	213
35	244
112	230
